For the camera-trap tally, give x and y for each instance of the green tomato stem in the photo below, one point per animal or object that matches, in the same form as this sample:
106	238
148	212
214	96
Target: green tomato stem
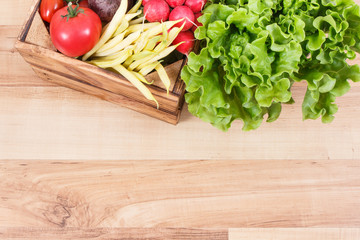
72	12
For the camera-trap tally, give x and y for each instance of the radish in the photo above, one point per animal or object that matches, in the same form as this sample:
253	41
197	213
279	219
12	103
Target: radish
175	3
181	12
197	23
195	5
188	40
144	2
156	11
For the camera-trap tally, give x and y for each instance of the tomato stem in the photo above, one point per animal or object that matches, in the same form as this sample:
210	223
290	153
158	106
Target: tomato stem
73	12
72	1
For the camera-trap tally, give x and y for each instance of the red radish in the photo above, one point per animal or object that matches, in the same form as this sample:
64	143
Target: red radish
144	2
156	11
198	24
195	5
181	12
188	40
175	3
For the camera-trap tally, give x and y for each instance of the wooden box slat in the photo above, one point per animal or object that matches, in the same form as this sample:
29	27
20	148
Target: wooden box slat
35	46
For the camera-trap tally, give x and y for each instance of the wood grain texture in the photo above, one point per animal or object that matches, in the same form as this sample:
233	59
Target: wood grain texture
180	194
288	173
58	123
113	233
294	234
39	34
14	13
13	69
181	233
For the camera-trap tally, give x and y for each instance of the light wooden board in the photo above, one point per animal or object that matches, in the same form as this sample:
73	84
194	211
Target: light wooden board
58	118
113	233
299	180
295	234
14	12
182	234
180	194
180	199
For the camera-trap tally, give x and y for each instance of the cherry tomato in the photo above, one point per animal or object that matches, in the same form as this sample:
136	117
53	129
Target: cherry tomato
75	35
49	7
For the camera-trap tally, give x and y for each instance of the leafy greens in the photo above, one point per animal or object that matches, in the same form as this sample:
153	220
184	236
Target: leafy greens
252	51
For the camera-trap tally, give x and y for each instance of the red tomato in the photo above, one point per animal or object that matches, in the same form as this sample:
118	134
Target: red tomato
49	7
75	36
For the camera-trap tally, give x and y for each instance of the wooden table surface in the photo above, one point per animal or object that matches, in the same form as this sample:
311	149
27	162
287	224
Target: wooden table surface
58	179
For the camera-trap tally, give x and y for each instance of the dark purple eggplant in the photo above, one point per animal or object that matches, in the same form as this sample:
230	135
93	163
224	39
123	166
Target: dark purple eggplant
106	9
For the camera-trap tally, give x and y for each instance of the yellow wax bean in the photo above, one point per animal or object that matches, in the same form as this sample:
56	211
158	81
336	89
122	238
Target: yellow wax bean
133	65
142	27
144	38
112	42
110	30
123	44
138	56
163	76
135	7
159	56
152	42
137	21
136	82
170	38
114	55
159	29
142	78
122	27
148	68
122	56
130	16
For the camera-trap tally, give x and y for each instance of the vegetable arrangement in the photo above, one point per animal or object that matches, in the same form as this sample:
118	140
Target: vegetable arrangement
135	49
126	44
254	50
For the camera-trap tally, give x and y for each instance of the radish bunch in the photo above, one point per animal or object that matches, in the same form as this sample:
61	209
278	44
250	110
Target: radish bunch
188	10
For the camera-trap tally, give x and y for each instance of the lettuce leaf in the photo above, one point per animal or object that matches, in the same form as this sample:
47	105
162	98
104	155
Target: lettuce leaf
254	50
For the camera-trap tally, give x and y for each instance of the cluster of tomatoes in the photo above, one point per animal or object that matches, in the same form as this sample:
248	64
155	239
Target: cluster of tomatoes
74	28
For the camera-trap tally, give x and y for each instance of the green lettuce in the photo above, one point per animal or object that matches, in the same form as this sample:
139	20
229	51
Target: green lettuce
252	51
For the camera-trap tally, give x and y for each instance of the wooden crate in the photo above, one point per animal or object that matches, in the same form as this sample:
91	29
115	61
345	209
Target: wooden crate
35	46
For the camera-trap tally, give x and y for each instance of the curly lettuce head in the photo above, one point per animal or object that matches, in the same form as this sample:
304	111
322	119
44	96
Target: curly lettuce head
252	52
